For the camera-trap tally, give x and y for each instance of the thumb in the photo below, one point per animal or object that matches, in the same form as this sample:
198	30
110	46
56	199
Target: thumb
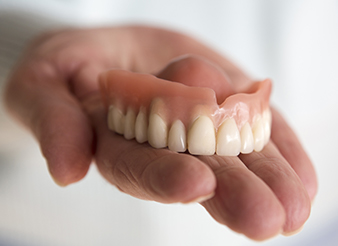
38	95
196	71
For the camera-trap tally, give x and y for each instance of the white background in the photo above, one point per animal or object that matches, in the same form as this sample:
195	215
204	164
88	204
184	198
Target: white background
292	42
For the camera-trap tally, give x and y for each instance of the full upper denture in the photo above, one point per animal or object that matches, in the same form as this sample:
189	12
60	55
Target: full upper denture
183	117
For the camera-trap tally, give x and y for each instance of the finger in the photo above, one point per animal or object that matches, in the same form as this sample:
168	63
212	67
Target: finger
196	71
243	201
147	173
291	149
176	44
274	170
38	95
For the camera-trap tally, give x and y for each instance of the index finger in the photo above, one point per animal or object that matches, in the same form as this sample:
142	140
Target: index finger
290	147
38	95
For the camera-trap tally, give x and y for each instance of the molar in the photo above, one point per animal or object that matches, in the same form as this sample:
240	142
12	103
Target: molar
177	137
228	139
201	137
157	131
141	127
118	120
129	128
247	140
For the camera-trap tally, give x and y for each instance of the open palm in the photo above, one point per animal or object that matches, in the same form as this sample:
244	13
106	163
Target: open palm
54	91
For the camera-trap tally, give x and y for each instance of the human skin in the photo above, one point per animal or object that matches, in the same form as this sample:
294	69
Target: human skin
54	92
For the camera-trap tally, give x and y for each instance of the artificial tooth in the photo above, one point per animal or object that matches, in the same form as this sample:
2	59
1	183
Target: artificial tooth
157	131
228	139
110	118
118	120
141	127
267	120
258	135
267	131
177	137
201	137
129	128
267	115
247	140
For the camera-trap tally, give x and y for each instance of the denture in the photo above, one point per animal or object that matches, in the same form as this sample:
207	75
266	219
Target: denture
184	118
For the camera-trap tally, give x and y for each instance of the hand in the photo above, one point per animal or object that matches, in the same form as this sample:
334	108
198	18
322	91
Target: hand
54	92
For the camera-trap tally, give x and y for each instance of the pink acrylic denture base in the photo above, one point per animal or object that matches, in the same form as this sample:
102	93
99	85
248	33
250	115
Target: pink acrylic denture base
173	100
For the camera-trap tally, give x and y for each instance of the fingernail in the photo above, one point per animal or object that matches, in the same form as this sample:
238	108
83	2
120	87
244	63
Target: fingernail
291	233
201	198
313	201
59	183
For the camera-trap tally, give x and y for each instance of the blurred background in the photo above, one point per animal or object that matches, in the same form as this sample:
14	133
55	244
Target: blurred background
294	42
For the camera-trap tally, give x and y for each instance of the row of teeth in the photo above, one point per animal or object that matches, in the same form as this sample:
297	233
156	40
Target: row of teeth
202	137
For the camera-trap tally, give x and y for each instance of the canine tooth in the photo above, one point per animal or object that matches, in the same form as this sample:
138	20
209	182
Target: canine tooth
118	120
141	129
201	137
129	128
258	135
228	139
110	118
177	137
247	140
157	131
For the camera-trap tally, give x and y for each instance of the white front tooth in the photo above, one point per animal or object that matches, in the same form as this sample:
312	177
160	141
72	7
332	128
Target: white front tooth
110	118
157	131
129	128
228	139
258	135
177	137
201	137
267	120
118	120
267	131
247	140
141	127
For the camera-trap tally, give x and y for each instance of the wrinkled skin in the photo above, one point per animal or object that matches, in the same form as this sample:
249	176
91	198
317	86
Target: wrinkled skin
54	92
